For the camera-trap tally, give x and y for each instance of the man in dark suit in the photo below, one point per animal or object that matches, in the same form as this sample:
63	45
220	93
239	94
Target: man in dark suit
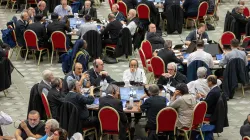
172	77
154	14
167	55
118	15
80	101
41	8
97	74
88	10
113	29
131	4
40	30
45	85
154	37
197	34
21	26
191	8
112	100
55	97
213	95
57	25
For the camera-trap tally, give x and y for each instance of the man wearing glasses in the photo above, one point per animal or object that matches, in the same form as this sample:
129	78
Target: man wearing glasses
32	127
173	77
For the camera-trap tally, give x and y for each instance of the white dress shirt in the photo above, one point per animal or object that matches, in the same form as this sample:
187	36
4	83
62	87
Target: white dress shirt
201	55
201	86
137	76
131	26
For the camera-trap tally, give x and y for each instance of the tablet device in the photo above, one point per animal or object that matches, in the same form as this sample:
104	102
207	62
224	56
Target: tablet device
96	101
137	92
219	56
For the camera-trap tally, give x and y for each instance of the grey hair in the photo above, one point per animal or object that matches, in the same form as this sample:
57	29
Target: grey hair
173	64
201	72
153	90
72	84
237	8
53	123
56	82
111	89
46	74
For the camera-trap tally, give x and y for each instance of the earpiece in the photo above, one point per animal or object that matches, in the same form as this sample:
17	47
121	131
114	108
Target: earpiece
137	63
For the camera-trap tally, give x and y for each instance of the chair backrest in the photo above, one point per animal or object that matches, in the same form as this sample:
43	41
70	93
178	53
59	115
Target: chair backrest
143	59
13	34
58	39
109	119
246	138
227	37
143	11
110	4
31	39
158	66
246	12
123	8
199	114
31	1
246	39
166	120
46	106
147	49
202	10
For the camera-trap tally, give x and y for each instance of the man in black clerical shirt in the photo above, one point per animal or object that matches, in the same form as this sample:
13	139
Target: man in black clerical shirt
88	10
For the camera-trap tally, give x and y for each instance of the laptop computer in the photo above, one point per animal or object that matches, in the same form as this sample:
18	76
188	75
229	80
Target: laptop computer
126	91
192	47
213	49
219	56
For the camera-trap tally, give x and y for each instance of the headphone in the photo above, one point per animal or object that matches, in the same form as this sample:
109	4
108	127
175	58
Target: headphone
95	64
137	64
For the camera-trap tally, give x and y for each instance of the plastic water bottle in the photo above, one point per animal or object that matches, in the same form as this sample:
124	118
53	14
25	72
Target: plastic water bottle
131	101
105	84
163	93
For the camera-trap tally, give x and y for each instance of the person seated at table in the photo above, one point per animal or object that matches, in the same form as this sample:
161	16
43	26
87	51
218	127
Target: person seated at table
157	42
152	106
63	9
50	126
213	95
133	21
60	134
200	85
113	29
154	14
41	8
234	53
87	9
191	8
167	55
240	2
131	4
80	101
241	19
89	25
97	73
197	34
201	55
118	15
134	73
45	85
82	78
112	100
32	127
55	97
173	77
32	13
57	25
21	26
245	128
184	104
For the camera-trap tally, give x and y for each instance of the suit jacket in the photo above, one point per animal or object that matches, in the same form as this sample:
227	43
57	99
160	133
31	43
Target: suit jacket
131	4
80	101
179	78
95	78
116	104
168	56
43	85
156	40
44	12
55	99
57	26
191	6
192	36
20	28
113	29
242	21
212	99
92	12
40	31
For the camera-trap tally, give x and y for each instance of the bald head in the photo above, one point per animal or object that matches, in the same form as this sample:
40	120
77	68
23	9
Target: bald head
131	14
41	5
115	8
98	65
111	17
87	5
64	3
152	28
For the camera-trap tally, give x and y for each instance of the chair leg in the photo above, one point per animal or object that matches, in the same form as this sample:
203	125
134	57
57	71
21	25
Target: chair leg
95	134
48	54
195	24
52	57
13	4
83	135
201	134
18	52
186	135
129	137
243	91
101	136
26	55
186	23
4	93
6	6
39	58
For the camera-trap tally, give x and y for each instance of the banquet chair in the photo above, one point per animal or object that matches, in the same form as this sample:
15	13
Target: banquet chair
30	2
143	12
226	38
213	14
59	44
246	138
146	64
31	41
109	122
246	39
197	120
146	47
166	120
246	12
158	67
202	11
46	106
123	8
13	2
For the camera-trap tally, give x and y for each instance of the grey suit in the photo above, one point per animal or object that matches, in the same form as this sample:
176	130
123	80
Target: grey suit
42	85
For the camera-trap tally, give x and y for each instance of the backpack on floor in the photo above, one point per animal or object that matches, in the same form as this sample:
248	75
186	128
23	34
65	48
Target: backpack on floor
7	37
66	60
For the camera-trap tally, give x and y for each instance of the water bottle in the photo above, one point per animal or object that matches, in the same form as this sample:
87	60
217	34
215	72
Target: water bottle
105	84
163	93
131	101
168	96
104	94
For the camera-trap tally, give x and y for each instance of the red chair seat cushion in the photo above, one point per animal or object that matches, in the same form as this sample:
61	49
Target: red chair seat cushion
40	49
206	119
111	45
185	128
87	128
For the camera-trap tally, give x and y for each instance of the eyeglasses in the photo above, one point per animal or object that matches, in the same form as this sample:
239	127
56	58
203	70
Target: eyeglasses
32	119
133	65
170	69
